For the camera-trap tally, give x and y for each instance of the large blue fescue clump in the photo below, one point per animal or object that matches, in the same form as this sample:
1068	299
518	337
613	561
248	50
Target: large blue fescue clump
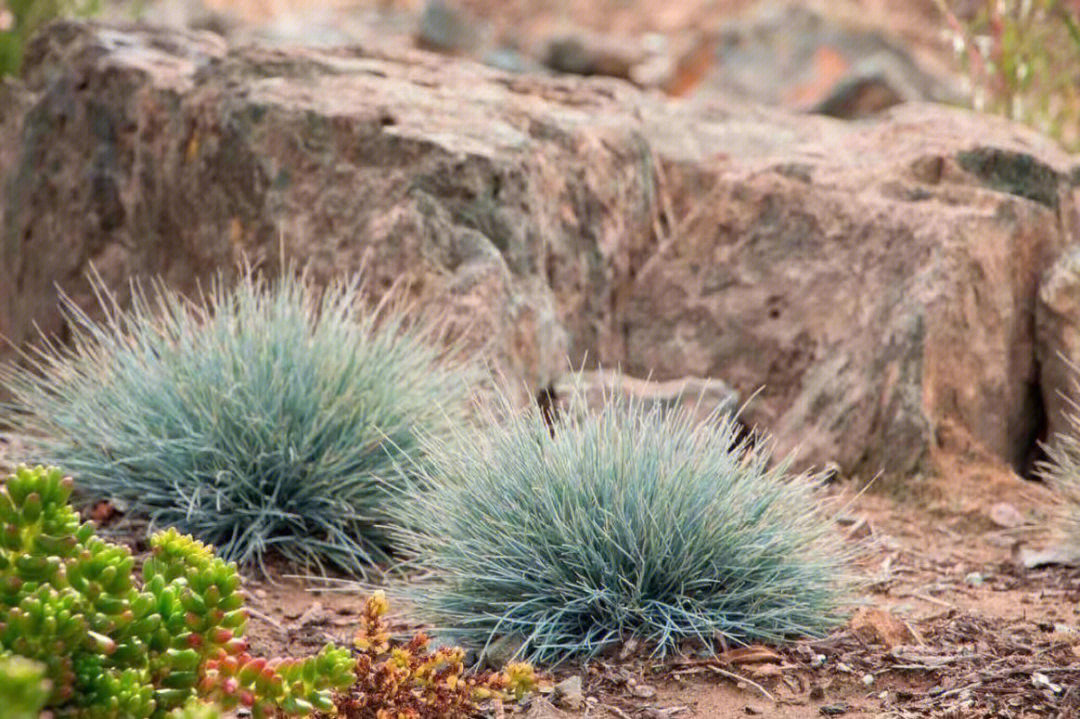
626	522
262	418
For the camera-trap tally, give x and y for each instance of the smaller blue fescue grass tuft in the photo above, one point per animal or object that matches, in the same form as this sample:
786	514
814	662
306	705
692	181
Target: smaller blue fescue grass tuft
1061	470
262	417
625	522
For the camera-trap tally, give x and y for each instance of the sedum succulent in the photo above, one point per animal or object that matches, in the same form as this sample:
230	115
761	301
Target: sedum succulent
111	649
23	687
195	709
412	680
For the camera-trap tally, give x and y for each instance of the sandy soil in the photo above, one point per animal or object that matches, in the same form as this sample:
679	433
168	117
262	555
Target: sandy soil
981	635
959	627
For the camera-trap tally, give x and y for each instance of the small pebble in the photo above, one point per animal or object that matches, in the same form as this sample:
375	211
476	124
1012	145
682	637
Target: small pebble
975	579
1041	680
1006	515
569	695
501	651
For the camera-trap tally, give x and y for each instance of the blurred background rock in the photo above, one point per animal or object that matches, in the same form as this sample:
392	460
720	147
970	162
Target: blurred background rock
846	59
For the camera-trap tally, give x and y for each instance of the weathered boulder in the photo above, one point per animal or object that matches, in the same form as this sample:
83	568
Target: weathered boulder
875	280
878	281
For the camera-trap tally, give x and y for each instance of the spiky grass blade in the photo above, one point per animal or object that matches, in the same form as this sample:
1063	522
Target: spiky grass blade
261	418
628	522
1061	467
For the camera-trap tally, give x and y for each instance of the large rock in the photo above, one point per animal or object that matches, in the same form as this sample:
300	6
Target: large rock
876	281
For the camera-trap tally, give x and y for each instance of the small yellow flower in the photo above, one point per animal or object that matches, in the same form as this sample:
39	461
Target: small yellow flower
401	658
376	644
520	679
377	605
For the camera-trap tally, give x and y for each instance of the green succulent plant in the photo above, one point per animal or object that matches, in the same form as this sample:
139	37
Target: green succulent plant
114	650
23	687
195	709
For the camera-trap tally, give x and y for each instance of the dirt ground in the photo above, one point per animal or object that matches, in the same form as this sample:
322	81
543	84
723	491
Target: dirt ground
952	624
948	622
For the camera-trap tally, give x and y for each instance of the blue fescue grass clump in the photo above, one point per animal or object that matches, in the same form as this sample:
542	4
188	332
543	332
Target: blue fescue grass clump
264	417
626	522
1061	470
